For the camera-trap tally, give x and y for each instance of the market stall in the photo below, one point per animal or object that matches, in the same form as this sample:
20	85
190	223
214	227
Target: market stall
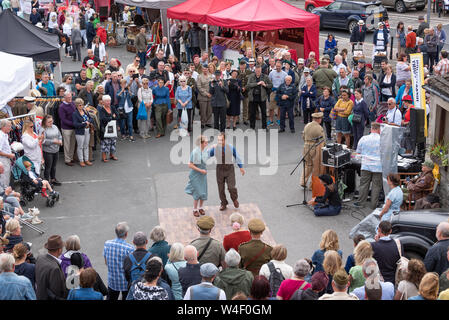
16	78
21	38
281	24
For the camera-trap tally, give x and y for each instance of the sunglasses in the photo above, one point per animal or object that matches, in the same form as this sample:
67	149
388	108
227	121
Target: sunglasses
182	81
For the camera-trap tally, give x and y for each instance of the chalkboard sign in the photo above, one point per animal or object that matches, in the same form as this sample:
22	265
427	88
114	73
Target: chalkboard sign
292	35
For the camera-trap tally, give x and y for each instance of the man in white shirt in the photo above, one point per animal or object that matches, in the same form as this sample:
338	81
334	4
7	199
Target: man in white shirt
394	116
338	63
165	47
6	154
206	290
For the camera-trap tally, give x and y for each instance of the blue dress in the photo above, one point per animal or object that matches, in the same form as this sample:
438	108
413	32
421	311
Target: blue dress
396	196
197	185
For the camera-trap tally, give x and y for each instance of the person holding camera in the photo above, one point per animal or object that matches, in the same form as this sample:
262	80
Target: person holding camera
218	89
82	122
125	103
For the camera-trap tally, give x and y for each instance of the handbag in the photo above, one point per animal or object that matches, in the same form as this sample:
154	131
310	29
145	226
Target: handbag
333	114
142	112
110	131
356	118
121	113
169	117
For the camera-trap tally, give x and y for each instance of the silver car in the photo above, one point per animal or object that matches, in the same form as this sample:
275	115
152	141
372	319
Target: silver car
402	6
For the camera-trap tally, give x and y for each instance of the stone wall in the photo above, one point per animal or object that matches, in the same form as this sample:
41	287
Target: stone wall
443	188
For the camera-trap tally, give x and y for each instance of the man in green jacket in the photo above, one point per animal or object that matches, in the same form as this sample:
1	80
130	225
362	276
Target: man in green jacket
232	279
243	75
257	87
323	77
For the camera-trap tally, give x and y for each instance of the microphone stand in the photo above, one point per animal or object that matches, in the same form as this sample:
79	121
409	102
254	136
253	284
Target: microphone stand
304	202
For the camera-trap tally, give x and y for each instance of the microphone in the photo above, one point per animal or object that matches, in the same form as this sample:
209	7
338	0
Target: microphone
316	139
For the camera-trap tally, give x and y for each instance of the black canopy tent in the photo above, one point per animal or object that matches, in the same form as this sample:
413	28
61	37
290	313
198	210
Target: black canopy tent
22	38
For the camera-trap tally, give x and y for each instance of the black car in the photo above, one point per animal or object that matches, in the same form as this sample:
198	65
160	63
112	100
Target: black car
417	230
345	14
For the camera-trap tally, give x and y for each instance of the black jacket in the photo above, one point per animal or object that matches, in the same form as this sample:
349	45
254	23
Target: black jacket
218	93
78	122
357	36
391	85
331	197
436	257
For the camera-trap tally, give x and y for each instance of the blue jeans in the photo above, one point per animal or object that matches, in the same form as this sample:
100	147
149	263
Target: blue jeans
129	122
291	123
188	54
326	210
143	58
331	53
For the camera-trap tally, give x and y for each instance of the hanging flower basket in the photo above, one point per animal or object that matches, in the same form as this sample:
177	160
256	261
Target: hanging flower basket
439	154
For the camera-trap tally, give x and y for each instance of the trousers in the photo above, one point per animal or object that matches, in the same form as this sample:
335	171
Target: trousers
326	210
245	109
219	118
144	125
160	111
366	177
328	126
226	175
6	176
82	149
305	175
113	295
253	106
291	122
205	112
51	159
69	144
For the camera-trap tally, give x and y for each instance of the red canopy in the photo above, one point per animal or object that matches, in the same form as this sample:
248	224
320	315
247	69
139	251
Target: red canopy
264	15
197	10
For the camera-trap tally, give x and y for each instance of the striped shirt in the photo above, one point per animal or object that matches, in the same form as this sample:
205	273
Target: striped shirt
115	252
369	148
442	67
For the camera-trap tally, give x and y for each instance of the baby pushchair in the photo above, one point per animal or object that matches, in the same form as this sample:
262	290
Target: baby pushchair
27	187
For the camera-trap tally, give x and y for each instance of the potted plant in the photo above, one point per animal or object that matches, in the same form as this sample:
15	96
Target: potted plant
439	153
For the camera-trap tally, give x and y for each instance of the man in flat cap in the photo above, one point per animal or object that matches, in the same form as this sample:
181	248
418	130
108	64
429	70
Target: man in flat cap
50	280
209	249
420	185
206	290
313	133
255	253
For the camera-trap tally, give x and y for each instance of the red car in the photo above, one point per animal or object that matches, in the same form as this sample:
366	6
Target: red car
312	4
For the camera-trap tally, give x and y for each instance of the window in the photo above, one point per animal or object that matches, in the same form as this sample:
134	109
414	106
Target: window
334	6
349	7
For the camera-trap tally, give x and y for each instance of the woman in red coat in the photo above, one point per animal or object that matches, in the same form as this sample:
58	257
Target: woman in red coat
238	235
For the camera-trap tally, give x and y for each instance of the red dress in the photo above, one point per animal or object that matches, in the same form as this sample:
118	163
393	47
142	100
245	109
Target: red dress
233	240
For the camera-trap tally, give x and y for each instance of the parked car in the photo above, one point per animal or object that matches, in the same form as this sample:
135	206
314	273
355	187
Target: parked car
400	6
312	4
345	14
417	230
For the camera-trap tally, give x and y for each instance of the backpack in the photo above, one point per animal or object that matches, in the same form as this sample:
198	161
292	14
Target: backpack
276	278
138	268
401	266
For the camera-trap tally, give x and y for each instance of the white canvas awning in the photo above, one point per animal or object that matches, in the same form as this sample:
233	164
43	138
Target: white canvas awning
16	78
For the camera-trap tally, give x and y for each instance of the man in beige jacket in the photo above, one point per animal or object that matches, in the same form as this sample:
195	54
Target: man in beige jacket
204	97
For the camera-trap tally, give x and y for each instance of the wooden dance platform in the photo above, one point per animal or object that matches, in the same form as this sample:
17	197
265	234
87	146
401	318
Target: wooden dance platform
180	224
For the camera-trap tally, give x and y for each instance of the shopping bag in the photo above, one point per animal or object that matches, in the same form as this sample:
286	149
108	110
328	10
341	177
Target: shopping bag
184	123
110	131
142	112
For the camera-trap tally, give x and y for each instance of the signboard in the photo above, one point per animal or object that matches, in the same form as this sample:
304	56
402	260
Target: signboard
417	68
291	35
25	5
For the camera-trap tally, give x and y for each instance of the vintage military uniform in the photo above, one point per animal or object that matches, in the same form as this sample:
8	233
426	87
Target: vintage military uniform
209	249
243	76
225	172
312	131
254	253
